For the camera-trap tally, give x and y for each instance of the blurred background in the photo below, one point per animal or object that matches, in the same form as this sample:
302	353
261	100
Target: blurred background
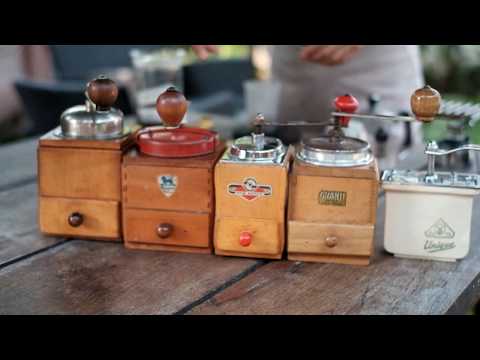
38	82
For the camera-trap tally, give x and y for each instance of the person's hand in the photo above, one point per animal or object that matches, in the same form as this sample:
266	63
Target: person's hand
329	55
203	51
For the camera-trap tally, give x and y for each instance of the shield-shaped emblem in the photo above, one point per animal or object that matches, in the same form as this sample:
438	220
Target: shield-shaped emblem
168	184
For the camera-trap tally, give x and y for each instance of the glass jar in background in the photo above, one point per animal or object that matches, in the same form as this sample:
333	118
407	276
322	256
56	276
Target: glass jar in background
155	71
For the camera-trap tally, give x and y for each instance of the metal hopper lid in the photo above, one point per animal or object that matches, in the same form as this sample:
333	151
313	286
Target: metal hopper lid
97	119
245	149
335	151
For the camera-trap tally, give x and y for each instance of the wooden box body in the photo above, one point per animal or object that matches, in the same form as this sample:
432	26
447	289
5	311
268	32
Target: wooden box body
262	216
80	176
178	192
332	213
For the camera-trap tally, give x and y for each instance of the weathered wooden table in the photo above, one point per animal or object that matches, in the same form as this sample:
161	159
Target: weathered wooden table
42	275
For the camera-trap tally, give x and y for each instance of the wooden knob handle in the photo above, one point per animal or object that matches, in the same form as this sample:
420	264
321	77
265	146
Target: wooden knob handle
75	219
103	92
426	103
331	241
172	107
164	230
246	238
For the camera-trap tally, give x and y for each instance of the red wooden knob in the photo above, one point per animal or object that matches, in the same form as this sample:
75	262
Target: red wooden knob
245	238
172	107
346	104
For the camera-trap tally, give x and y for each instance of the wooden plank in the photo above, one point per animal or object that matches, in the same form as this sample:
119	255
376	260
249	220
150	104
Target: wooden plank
83	277
388	286
18	162
18	226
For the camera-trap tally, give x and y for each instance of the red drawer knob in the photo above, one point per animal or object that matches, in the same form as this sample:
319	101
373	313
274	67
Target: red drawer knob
245	238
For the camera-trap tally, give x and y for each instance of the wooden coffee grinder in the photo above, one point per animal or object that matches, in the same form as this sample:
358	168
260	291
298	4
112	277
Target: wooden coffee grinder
79	168
333	196
251	183
168	197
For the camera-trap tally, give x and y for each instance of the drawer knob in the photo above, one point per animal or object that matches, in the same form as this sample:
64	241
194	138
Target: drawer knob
164	230
75	219
245	238
331	241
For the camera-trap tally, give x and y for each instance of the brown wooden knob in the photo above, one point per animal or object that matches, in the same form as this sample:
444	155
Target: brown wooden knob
164	230
172	107
426	103
75	219
103	92
331	241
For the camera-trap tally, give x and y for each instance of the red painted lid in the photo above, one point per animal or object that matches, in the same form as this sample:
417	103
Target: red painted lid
181	142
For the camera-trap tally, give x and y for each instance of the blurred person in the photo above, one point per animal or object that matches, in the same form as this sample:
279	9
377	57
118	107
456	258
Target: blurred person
313	75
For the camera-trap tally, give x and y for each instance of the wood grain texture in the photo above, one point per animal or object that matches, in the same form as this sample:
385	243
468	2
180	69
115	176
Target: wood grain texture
267	207
142	190
191	230
101	219
388	286
267	236
82	277
80	173
311	238
19	234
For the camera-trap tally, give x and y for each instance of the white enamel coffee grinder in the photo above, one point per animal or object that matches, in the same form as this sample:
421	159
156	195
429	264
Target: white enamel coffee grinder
428	213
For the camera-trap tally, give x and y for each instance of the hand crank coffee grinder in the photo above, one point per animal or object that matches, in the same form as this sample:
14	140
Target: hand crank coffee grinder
79	168
333	196
428	213
251	183
168	198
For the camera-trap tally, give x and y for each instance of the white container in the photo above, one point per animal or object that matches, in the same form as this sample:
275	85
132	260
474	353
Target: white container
428	220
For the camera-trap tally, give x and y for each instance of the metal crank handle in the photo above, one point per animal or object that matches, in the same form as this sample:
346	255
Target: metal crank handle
376	117
300	123
431	150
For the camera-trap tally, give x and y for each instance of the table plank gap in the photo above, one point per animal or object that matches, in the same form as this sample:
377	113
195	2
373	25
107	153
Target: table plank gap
19	235
388	286
86	277
222	287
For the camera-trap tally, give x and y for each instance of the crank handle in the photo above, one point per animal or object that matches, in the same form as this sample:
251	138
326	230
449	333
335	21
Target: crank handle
432	149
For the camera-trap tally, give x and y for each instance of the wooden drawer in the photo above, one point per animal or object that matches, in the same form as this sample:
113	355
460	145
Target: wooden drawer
188	229
101	219
267	236
168	188
311	238
80	173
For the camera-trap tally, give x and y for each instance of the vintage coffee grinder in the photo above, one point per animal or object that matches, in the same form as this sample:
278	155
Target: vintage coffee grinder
251	183
79	167
428	213
333	196
168	196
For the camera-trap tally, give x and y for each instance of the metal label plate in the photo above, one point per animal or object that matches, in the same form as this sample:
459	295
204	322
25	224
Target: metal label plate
332	198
